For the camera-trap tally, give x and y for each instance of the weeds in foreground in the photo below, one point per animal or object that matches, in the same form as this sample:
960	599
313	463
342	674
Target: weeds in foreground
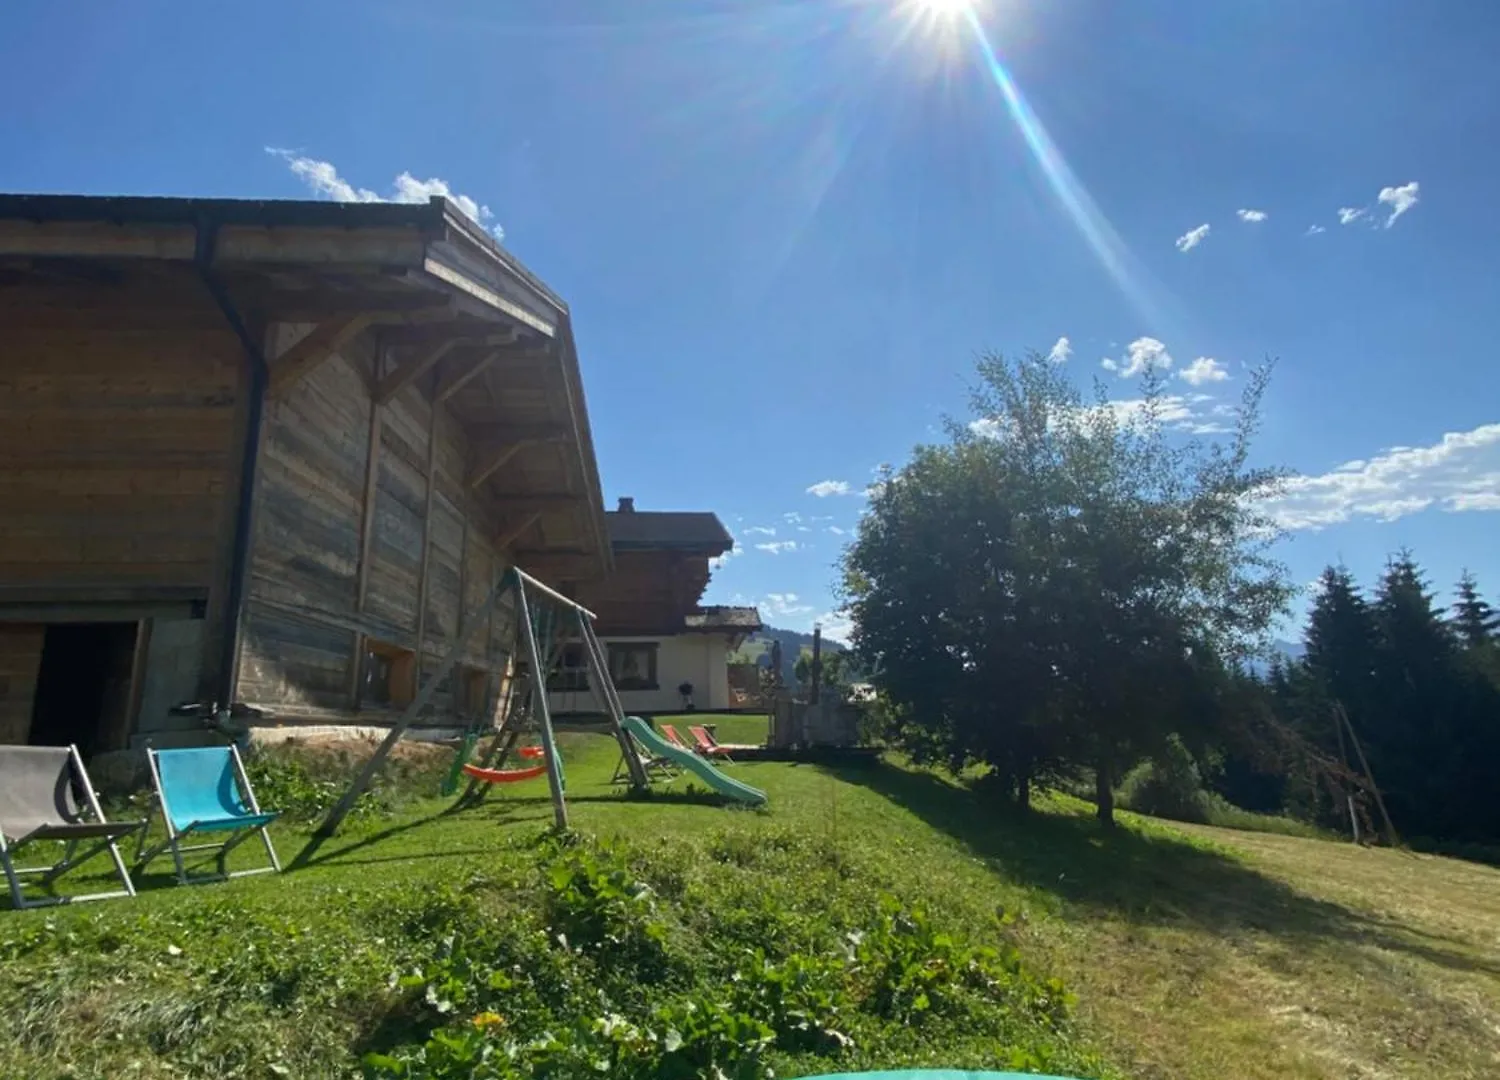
542	960
727	1013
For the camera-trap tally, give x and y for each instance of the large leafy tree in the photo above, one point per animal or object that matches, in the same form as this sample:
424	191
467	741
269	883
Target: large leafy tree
1064	582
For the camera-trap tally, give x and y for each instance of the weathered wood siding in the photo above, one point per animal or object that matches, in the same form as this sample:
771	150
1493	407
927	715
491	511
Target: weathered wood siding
20	660
307	622
116	435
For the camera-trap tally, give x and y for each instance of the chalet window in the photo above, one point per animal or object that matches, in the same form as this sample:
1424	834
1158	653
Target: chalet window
571	673
390	679
632	666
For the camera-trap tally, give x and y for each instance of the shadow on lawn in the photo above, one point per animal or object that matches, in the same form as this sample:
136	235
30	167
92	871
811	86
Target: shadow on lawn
1145	878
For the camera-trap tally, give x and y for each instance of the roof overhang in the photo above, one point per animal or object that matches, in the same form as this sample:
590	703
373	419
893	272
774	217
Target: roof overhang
424	270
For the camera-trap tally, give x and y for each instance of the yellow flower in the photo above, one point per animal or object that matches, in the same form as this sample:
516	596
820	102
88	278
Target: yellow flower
489	1020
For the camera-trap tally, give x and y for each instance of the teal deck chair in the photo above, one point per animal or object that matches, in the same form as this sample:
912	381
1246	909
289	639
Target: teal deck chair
205	790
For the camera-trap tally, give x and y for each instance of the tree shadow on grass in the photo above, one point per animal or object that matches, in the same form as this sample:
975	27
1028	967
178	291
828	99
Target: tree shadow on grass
1148	877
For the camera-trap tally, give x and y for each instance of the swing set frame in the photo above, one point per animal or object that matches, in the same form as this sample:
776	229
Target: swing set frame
532	598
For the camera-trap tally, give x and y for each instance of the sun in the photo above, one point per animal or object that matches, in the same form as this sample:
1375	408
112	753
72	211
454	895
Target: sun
943	9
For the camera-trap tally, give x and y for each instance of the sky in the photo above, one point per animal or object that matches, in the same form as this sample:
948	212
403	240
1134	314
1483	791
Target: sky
786	229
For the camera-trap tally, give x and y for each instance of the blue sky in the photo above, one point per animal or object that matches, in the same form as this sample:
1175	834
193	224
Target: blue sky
786	228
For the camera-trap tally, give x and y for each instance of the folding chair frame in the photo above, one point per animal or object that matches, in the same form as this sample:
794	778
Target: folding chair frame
222	849
71	858
656	767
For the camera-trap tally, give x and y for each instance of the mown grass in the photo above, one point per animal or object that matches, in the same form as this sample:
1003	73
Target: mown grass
1192	951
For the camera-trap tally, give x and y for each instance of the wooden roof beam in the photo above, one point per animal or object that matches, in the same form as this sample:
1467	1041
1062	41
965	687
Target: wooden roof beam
496	451
310	351
316	305
552	500
516	531
462	333
454	381
412	369
496	458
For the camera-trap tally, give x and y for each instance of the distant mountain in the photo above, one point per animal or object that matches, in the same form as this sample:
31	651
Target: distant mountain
757	647
1289	651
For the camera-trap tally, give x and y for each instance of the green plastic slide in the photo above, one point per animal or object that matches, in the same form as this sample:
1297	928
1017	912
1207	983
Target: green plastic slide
727	786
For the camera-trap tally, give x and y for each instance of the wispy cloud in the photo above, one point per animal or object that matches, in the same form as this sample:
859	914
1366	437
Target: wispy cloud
1348	215
1314	230
838	531
1252	216
784	605
1459	473
1061	350
324	179
776	547
1399	199
1205	369
824	488
1190	415
791	517
759	530
1192	238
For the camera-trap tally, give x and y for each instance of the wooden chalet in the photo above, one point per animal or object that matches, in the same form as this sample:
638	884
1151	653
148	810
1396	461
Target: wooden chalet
656	635
271	453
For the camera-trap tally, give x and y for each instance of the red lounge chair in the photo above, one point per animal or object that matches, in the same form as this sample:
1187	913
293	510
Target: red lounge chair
708	747
670	734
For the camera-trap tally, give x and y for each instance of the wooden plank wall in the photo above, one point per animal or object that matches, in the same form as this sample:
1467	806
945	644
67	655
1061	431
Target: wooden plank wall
311	608
117	409
20	660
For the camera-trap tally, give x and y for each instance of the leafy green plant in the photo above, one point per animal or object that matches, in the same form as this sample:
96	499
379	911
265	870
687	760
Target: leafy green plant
594	904
1169	785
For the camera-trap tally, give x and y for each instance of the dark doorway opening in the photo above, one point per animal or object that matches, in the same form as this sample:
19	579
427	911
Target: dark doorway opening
83	686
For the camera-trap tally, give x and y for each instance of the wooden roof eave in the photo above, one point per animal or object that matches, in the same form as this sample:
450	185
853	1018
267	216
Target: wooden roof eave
430	247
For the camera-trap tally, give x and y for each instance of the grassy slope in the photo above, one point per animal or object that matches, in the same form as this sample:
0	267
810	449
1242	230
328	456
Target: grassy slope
1195	952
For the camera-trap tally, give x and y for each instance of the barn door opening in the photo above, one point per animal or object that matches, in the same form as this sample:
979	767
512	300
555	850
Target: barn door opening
83	687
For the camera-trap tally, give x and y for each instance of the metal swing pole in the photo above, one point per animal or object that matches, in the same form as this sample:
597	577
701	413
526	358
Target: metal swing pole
539	700
604	688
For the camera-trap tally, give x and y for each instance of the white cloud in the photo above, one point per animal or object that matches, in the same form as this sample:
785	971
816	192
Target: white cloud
1252	216
1192	238
1399	199
837	626
720	560
1141	354
776	547
792	517
838	531
1460	472
760	530
1348	215
1314	230
1109	365
1060	351
1203	370
1174	411
784	604
324	179
824	488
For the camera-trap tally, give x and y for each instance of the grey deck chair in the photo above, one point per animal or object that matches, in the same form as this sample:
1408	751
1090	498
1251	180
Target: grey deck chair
37	802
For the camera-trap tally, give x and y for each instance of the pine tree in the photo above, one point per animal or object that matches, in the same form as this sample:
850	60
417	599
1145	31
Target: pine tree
1341	640
1475	621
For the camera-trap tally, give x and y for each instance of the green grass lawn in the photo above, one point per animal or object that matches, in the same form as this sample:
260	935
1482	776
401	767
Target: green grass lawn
831	916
